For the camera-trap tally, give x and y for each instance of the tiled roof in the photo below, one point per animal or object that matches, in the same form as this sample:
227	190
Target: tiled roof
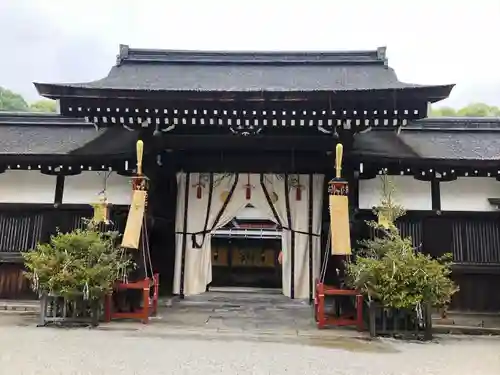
52	134
202	71
29	133
439	138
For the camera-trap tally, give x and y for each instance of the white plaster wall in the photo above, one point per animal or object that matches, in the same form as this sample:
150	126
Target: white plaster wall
26	187
85	188
469	194
410	193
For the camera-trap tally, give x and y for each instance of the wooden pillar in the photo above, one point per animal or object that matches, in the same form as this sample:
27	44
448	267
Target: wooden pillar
354	189
59	191
161	210
184	234
435	194
291	226
310	239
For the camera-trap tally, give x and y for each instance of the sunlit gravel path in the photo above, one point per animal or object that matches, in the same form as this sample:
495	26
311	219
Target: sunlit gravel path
156	350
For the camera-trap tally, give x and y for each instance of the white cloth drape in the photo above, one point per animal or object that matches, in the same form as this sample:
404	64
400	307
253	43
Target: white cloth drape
198	267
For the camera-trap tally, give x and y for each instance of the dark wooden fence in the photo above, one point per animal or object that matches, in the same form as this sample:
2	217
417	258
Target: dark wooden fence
22	226
474	240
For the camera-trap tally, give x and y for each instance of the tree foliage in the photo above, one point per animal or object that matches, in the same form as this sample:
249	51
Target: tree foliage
10	101
389	270
43	105
14	102
472	110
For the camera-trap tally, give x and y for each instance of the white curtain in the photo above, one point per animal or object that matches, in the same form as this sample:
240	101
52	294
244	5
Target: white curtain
198	267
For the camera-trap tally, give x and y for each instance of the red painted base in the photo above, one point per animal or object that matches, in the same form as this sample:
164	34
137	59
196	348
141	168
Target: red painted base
149	304
322	320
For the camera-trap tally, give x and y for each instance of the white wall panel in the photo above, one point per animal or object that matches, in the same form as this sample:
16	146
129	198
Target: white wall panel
85	188
469	194
26	187
410	193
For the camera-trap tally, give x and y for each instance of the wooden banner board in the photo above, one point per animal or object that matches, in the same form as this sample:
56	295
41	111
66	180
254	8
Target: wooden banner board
339	222
135	218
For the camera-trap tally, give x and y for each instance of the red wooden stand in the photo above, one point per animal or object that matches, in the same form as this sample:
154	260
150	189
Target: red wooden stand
323	320
149	304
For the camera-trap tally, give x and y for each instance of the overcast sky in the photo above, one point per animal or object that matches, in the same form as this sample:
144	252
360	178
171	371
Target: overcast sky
429	42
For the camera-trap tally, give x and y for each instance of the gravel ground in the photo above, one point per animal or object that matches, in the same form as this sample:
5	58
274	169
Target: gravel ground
156	350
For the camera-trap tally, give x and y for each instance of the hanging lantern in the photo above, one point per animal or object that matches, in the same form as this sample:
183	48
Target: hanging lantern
248	188
384	218
298	189
298	193
101	211
199	186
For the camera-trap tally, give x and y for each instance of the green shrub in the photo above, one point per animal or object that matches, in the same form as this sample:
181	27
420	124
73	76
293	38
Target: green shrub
84	261
389	270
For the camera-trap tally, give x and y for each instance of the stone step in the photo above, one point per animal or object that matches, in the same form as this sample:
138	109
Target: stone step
20	306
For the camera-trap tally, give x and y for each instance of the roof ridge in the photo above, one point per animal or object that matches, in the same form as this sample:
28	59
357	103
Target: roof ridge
138	55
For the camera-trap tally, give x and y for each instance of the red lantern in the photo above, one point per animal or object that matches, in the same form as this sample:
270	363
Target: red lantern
298	189
298	192
248	189
199	187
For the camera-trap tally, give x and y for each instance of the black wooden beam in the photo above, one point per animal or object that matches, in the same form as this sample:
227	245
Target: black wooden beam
59	191
257	162
435	194
231	142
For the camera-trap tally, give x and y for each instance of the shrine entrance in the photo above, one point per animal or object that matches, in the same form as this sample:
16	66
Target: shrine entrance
246	251
244	260
207	202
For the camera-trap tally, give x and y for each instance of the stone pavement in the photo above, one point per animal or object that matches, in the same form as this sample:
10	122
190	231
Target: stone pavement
258	312
241	310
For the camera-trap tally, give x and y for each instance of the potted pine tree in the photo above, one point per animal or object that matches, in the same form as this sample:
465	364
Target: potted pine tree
73	272
400	284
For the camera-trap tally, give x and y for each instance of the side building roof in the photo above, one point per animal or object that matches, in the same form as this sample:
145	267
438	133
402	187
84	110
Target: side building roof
141	73
36	135
458	139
